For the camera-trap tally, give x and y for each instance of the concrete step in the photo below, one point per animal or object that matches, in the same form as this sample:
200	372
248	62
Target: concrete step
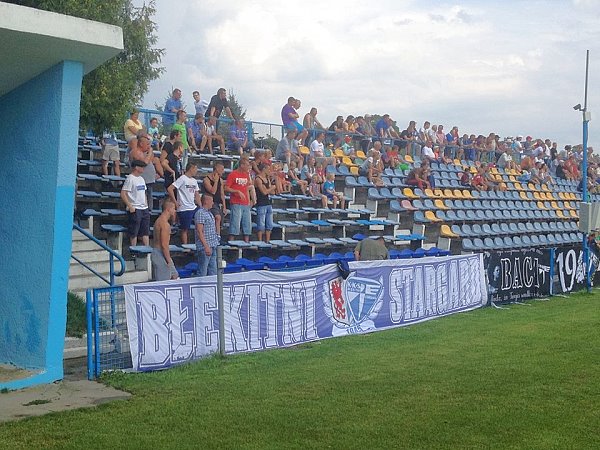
87	244
79	283
88	256
76	269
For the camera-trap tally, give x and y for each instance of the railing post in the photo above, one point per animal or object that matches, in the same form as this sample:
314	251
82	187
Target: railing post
90	334
220	301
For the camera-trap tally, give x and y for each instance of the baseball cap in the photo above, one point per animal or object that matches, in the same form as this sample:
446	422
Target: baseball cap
138	163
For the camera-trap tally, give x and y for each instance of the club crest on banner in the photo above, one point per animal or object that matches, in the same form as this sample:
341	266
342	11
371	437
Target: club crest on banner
352	304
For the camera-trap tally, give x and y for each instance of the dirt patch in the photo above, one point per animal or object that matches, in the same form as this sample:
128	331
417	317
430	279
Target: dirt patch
10	373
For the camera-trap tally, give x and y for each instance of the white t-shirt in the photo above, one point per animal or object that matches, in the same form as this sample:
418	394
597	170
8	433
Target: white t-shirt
136	191
186	192
428	152
317	148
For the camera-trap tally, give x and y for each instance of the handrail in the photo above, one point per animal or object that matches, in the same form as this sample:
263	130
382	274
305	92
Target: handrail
112	253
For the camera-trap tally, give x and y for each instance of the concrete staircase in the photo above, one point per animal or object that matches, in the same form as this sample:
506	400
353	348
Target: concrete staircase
80	278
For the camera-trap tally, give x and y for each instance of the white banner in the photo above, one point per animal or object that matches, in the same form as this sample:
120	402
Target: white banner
172	322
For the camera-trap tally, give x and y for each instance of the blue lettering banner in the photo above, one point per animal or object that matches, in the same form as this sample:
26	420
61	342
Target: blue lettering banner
176	321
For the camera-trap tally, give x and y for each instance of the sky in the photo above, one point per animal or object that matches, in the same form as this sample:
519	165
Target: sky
509	67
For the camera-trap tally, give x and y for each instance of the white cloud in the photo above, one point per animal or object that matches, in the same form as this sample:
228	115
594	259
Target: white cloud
515	67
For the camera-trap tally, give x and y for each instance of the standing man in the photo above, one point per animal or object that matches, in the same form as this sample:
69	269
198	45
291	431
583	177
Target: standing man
172	105
182	126
163	267
143	152
371	249
199	105
238	185
188	197
217	104
213	186
133	194
207	238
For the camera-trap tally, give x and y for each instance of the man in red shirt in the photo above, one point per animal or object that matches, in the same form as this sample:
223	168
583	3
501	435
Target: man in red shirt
239	185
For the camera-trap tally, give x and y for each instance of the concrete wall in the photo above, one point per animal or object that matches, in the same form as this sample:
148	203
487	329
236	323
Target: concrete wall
38	158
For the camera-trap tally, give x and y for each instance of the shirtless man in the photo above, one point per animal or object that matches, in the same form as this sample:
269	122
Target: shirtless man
163	267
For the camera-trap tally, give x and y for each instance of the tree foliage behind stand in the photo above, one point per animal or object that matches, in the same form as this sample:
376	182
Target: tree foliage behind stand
112	89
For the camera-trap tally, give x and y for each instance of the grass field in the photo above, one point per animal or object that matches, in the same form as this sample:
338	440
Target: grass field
527	377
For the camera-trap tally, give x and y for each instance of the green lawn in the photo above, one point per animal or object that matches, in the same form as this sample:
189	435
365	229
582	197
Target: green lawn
527	377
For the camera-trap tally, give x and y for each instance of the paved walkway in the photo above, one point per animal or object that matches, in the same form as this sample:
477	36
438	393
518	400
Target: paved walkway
74	392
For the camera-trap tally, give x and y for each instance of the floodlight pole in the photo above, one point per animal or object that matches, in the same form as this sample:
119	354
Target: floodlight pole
584	168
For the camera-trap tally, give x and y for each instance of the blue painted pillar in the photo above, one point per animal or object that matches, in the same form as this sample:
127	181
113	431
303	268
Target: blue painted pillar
38	160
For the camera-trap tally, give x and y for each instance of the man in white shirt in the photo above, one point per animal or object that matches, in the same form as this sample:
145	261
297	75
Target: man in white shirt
133	194
188	198
199	105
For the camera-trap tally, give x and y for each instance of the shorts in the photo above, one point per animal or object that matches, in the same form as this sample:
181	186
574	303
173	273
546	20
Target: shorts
162	271
216	210
138	223
185	219
111	153
240	218
264	218
299	127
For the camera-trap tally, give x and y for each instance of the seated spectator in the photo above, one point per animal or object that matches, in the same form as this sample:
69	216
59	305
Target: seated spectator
280	178
131	128
309	169
478	181
212	135
505	161
154	132
491	184
315	189
348	148
239	138
294	178
198	133
330	192
336	131
418	176
372	167
317	150
465	178
287	148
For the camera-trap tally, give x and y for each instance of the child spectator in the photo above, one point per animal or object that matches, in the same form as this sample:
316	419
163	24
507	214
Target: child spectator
314	189
330	192
465	178
154	132
294	177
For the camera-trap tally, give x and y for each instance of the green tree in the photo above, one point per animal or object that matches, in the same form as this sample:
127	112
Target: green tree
115	87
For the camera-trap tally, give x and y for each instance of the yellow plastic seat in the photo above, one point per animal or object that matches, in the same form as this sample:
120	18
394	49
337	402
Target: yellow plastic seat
304	150
448	193
458	194
572	196
541	205
347	161
560	214
409	159
512	179
537	196
554	205
439	204
354	170
408	192
523	195
361	154
438	193
429	193
467	194
573	214
531	187
339	152
518	186
431	216
445	231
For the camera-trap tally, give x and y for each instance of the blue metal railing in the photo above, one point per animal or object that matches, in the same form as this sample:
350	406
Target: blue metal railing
112	254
